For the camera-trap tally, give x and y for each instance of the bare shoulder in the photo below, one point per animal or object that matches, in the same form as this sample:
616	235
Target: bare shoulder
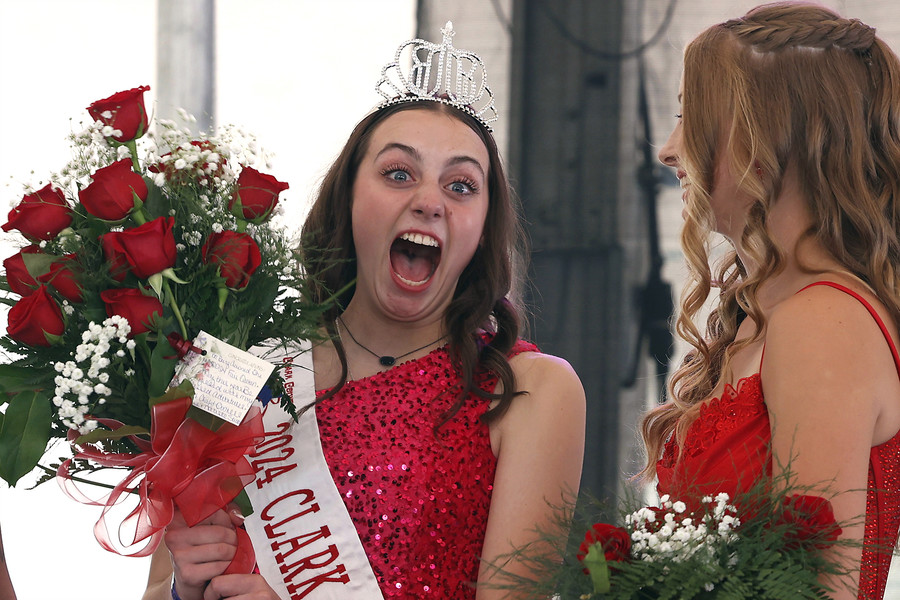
548	413
538	374
551	393
824	320
826	359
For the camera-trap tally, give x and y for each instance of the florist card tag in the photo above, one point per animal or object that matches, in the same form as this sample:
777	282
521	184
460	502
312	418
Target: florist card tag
226	379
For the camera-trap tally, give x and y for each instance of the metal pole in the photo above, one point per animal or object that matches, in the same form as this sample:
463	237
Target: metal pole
186	61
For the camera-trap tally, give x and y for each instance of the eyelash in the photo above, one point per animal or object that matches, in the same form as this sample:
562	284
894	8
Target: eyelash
393	168
472	185
678	115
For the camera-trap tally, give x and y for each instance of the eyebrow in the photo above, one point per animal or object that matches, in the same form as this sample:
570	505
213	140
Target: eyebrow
456	160
679	98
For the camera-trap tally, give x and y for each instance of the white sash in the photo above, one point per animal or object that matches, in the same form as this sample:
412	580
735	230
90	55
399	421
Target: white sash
306	544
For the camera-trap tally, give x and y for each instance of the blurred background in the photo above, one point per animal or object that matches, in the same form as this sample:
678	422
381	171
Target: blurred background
587	94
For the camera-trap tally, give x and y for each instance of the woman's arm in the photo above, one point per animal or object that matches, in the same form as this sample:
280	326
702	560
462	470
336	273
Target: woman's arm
539	443
832	392
159	580
6	586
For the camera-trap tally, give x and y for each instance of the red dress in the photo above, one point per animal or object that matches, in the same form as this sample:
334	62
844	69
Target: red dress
726	450
419	498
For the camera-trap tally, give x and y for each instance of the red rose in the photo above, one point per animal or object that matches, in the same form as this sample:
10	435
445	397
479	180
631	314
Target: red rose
615	541
236	255
123	111
32	318
256	195
63	278
17	276
41	215
808	516
145	250
110	196
138	308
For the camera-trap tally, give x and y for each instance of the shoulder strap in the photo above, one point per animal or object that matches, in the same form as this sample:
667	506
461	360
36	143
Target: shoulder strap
872	311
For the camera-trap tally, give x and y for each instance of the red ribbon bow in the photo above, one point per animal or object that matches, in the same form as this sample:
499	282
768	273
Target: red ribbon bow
184	464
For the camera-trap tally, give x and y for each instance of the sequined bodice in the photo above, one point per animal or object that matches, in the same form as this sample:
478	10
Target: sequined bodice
419	498
726	449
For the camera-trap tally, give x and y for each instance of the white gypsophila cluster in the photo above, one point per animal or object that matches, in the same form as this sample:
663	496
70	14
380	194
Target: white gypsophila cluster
91	151
680	535
201	163
82	381
209	161
243	147
194	238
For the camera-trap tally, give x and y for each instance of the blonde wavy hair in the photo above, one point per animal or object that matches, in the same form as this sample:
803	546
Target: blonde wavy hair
795	84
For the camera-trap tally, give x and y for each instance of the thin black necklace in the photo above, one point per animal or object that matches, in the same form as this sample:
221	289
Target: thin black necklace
385	360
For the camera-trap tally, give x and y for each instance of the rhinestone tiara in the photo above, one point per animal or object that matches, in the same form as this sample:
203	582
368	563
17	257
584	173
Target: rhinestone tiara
459	80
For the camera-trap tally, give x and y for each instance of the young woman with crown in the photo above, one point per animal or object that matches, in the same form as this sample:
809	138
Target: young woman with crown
438	440
789	146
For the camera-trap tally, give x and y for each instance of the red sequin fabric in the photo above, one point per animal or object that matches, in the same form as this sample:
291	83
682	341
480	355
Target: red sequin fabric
726	450
419	497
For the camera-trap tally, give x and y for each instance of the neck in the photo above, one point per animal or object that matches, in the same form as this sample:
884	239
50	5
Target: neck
805	258
371	346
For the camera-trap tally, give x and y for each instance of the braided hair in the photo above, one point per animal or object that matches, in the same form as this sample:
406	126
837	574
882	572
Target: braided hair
788	84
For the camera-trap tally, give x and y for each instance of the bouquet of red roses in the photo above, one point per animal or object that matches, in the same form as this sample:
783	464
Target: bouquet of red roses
146	238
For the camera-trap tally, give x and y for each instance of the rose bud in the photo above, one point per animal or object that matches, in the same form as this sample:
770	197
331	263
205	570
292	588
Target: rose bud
144	250
135	306
63	278
41	215
18	277
614	541
110	196
808	517
124	112
33	318
236	255
256	195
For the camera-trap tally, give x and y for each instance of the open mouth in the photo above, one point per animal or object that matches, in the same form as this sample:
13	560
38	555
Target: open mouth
414	258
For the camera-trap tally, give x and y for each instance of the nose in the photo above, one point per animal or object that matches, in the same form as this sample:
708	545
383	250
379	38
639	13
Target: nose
668	154
428	204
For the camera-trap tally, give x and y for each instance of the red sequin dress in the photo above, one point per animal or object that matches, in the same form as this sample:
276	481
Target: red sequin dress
726	450
419	499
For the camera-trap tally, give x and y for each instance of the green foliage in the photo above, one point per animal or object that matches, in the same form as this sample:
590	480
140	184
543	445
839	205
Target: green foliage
23	434
163	360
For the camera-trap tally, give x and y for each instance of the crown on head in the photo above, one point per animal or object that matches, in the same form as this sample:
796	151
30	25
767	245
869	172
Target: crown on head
440	73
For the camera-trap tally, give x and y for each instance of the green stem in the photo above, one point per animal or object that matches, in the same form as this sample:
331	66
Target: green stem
171	299
138	215
241	225
132	149
82	480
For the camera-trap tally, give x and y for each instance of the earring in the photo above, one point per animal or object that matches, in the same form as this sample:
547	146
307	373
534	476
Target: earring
758	169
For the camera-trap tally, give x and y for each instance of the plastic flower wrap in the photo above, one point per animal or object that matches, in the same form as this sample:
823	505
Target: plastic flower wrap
148	237
760	545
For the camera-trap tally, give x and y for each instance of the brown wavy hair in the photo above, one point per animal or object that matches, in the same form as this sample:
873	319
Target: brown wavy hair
787	84
486	295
